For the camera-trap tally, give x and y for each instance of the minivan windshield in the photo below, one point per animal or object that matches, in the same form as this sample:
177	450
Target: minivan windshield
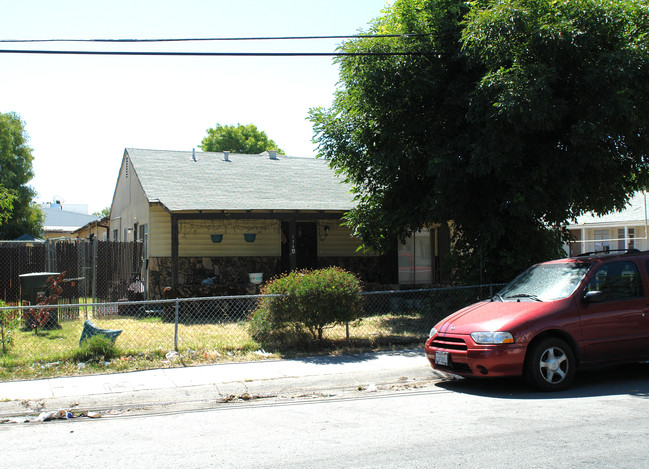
545	282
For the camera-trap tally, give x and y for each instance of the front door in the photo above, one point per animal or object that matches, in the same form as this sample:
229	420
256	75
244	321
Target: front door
302	242
307	245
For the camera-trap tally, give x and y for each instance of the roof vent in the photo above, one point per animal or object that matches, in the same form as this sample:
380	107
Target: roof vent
194	154
272	154
226	156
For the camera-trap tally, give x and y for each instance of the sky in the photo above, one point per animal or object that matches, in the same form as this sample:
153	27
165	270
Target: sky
81	112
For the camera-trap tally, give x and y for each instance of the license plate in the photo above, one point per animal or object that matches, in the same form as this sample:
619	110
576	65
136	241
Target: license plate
441	358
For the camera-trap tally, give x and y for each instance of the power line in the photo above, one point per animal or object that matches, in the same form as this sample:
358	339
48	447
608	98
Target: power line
207	39
218	54
215	54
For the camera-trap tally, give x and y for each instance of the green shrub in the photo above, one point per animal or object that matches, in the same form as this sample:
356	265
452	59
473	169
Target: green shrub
9	322
307	299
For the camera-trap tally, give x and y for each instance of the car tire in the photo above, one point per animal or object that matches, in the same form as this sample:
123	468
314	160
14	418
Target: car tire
550	365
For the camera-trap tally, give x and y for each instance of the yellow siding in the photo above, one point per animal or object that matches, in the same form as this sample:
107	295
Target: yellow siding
194	238
339	242
159	242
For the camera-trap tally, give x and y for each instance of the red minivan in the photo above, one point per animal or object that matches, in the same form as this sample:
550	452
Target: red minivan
553	318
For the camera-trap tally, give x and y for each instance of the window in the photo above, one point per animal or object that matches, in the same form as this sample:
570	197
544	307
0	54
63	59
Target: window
142	232
546	282
617	281
602	240
625	241
621	239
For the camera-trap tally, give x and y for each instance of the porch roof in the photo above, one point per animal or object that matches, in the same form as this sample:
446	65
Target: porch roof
633	214
243	182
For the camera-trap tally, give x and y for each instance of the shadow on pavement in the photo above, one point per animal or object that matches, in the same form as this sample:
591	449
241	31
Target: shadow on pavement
631	380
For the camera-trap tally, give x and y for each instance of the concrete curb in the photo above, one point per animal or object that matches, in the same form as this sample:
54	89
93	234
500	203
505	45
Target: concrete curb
211	381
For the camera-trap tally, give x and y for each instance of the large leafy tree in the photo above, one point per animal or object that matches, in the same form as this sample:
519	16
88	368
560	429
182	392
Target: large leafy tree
517	116
18	213
6	204
238	139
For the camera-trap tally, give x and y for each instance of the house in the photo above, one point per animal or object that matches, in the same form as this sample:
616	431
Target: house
209	220
626	229
98	229
60	221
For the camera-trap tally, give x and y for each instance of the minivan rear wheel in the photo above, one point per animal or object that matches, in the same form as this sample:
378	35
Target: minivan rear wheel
551	365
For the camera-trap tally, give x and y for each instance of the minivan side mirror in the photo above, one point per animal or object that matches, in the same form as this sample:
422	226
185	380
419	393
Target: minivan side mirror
593	297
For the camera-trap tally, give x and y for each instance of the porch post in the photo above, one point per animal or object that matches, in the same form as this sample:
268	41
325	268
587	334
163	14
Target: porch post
174	255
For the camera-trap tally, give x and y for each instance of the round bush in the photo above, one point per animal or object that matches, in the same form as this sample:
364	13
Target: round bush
311	299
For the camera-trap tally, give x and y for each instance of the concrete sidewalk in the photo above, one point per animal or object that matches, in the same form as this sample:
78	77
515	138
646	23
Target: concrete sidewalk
221	379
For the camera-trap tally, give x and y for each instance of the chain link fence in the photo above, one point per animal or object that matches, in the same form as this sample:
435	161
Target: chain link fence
214	328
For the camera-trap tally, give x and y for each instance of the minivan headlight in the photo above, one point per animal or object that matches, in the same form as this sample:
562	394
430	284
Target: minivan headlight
492	337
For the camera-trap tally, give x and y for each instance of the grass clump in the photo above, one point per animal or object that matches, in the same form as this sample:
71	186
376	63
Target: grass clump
95	348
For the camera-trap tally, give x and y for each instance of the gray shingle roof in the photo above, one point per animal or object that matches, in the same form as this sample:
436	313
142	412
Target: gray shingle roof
63	220
245	182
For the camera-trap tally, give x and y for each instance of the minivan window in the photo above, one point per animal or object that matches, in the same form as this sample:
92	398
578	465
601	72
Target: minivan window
546	282
617	281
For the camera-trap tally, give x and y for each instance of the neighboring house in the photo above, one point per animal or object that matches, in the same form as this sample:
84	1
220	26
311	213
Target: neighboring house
98	229
208	220
625	229
59	222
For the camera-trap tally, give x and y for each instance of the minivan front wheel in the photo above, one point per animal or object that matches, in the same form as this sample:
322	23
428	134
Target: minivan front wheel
550	365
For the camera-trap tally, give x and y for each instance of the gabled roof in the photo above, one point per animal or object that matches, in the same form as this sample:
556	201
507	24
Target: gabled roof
243	182
633	214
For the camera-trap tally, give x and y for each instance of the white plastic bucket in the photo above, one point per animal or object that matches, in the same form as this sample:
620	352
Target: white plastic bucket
256	277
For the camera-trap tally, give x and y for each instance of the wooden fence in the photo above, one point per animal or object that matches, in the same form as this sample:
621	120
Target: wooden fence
96	270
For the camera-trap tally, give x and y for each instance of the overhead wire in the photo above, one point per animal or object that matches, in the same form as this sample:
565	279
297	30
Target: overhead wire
208	39
216	54
213	54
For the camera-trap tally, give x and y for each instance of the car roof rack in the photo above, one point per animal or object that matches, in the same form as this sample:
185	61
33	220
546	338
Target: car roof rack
604	252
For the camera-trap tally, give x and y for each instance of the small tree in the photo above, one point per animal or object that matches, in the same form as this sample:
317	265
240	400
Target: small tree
313	299
103	212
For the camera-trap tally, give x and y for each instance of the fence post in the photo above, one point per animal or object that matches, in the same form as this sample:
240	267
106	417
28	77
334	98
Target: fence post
94	272
176	326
